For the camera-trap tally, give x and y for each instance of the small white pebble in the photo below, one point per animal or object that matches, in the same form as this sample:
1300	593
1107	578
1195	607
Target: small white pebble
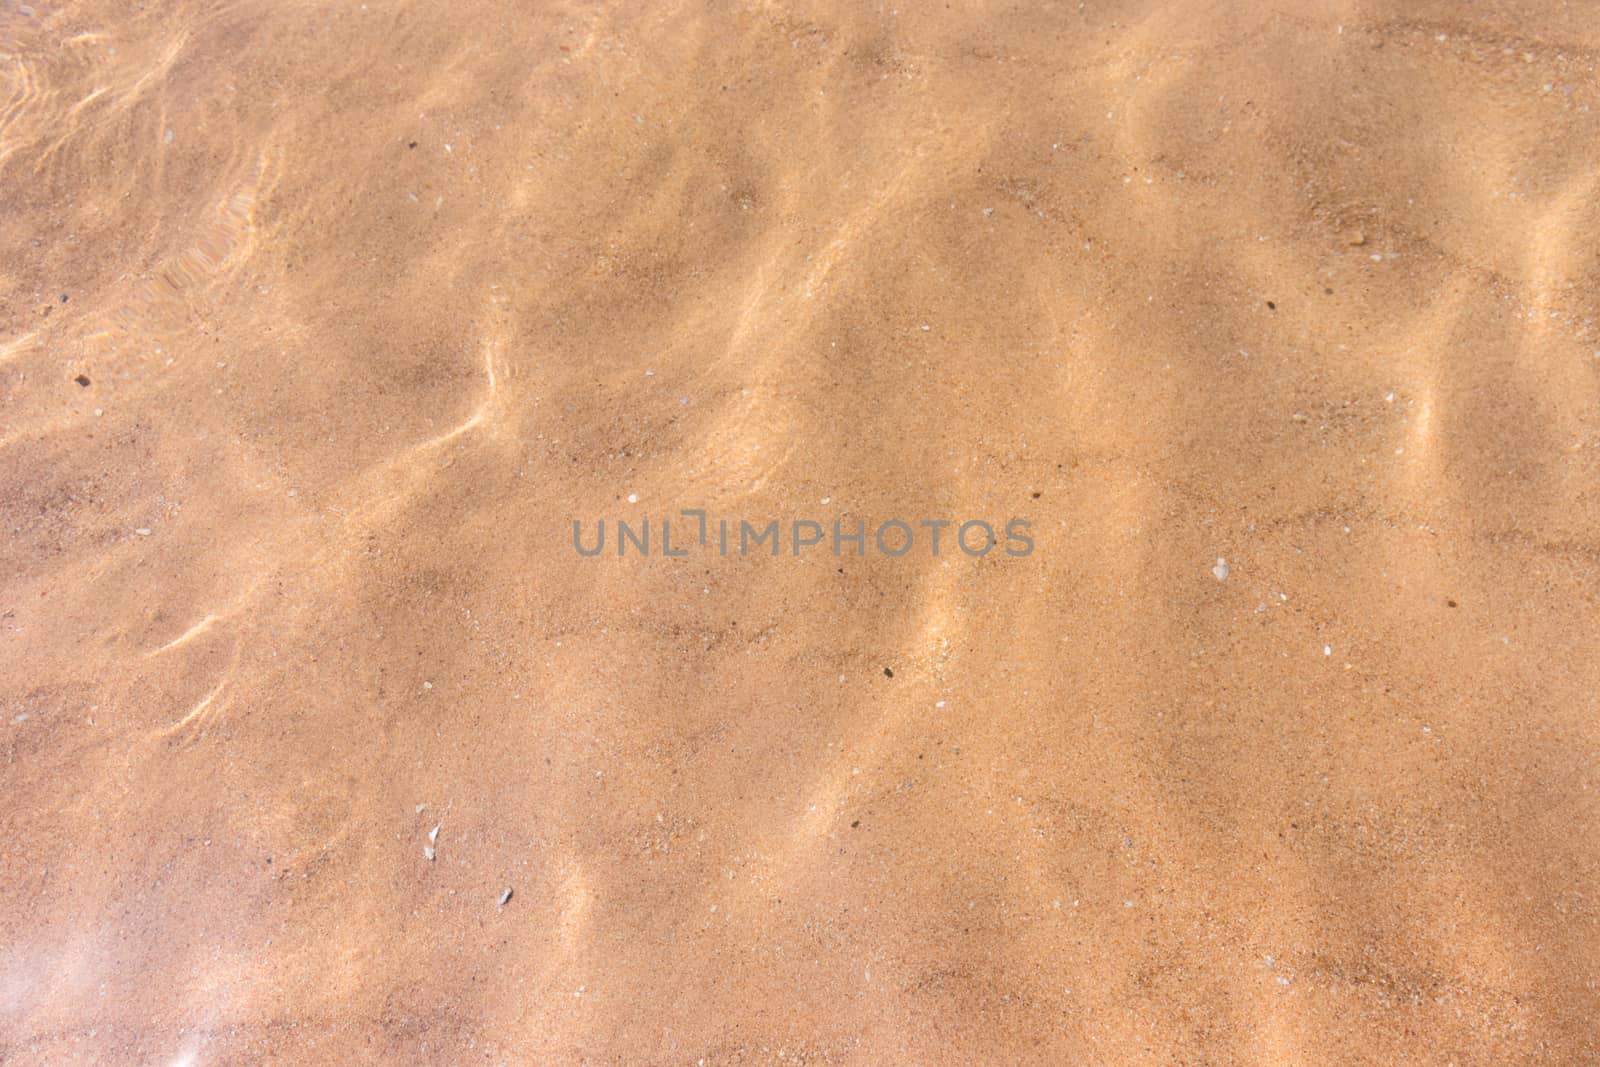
1221	569
143	531
1327	650
633	498
427	685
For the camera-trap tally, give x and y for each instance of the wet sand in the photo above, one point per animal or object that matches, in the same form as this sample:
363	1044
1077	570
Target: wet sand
322	323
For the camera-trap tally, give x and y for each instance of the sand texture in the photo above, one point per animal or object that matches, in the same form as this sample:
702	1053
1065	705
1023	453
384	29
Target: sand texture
321	322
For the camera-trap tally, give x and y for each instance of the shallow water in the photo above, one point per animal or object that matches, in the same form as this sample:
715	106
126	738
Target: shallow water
372	302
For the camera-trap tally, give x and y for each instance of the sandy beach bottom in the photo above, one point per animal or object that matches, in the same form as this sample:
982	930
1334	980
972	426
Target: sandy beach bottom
322	323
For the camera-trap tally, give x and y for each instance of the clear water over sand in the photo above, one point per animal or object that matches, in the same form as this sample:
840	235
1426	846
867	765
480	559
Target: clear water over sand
323	321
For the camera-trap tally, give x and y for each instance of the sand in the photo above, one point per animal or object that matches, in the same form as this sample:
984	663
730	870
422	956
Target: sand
321	323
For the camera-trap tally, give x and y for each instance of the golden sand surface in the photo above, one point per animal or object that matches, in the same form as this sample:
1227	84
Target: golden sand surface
323	322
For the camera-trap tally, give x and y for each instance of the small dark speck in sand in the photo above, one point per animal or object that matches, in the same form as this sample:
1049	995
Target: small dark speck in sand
887	673
83	380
